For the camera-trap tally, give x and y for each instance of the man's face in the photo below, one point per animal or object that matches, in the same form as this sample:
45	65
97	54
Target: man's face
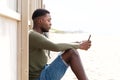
46	23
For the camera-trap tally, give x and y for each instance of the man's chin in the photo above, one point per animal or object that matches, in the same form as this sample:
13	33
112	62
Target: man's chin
45	30
48	30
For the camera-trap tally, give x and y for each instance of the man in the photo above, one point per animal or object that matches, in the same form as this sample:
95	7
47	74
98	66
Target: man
38	43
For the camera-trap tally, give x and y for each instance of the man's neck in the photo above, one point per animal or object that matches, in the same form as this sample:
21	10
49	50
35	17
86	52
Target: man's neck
38	30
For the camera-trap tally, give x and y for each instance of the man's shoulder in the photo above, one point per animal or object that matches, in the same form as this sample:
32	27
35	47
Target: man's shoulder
32	31
36	35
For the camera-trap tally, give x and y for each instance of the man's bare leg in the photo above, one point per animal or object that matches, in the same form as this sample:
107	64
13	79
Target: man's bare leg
72	58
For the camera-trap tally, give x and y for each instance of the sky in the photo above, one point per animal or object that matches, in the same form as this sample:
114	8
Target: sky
92	16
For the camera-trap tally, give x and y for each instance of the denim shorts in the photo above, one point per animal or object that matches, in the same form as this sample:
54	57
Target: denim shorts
55	70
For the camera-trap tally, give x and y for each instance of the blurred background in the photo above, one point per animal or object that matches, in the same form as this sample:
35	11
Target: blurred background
98	17
75	20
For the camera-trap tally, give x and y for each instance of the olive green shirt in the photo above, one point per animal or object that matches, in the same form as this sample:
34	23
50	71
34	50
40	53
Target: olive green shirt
38	43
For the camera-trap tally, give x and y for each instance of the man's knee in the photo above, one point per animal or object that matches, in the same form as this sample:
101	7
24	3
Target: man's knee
69	54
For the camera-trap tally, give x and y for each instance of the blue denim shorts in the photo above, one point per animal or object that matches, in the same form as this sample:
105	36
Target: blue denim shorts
55	70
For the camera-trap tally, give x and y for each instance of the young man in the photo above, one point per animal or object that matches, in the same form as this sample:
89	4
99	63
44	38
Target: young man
38	43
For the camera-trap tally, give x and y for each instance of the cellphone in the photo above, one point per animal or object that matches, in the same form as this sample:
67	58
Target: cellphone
89	37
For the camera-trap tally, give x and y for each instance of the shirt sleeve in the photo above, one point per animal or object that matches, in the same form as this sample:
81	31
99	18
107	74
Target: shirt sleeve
38	40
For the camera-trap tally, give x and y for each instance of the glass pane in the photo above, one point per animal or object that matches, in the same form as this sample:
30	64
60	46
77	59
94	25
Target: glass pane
12	4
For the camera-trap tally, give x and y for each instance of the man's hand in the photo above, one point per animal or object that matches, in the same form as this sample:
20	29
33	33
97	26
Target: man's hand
85	45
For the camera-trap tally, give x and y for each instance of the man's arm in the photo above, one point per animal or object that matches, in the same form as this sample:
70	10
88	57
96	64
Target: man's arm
38	40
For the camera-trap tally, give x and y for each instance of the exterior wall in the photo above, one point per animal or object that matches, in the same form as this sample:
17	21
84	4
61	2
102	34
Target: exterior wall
8	49
8	40
15	20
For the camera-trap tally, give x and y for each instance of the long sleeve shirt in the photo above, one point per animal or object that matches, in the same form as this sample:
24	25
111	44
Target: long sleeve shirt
38	43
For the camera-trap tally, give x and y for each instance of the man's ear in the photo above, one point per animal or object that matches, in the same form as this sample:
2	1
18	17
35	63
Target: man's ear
39	20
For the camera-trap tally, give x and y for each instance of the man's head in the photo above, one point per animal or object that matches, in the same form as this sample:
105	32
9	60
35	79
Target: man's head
42	20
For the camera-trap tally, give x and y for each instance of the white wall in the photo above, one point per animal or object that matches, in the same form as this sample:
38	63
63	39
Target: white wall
8	49
8	40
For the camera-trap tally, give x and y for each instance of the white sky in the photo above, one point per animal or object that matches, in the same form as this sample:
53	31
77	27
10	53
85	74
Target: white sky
93	16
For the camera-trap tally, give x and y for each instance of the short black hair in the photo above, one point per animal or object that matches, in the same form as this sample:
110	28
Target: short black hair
39	12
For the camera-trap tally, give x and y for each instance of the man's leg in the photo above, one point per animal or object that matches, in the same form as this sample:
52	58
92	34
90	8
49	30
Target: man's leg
72	58
55	70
